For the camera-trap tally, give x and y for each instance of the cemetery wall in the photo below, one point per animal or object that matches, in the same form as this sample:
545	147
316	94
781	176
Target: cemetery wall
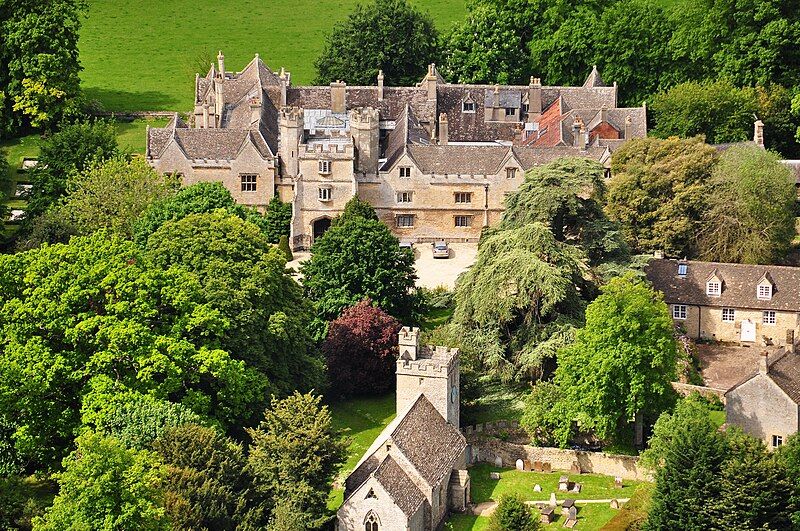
495	451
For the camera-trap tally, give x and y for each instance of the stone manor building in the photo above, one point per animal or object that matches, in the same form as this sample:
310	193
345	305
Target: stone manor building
436	160
415	471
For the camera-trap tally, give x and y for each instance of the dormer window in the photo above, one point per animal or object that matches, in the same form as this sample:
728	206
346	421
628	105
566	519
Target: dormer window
682	269
468	106
764	292
713	288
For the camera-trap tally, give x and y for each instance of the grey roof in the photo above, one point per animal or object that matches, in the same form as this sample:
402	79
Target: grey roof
405	494
784	372
395	100
210	144
458	159
358	476
430	443
739	283
508	98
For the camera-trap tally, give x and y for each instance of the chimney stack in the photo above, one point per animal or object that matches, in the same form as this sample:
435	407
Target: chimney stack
603	114
430	82
380	85
577	128
758	135
790	341
205	115
443	129
496	103
255	111
338	95
535	98
763	362
628	126
221	63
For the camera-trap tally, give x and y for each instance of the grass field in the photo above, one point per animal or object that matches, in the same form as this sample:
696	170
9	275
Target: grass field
142	55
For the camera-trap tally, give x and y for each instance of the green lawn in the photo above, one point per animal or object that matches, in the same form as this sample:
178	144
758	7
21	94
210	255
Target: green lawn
141	55
497	401
591	517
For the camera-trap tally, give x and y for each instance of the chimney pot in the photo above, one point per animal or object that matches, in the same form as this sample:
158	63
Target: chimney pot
763	362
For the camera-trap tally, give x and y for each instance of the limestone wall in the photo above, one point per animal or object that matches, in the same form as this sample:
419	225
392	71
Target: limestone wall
624	466
706	322
686	389
762	409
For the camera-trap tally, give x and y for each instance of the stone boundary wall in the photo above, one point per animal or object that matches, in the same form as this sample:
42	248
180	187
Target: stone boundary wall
501	453
490	427
136	114
685	389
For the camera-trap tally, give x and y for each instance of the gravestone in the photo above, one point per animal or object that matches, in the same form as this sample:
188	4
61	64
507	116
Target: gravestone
498	461
576	487
548	515
537	488
566	505
546	468
520	464
572	517
563	483
615	504
537	466
494	475
617	482
575	468
553	501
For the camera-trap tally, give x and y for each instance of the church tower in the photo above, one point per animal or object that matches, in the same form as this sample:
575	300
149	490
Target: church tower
432	371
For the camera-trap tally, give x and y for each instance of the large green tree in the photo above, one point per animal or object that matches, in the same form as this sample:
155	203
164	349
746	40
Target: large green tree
622	362
388	35
106	486
295	455
751	217
658	192
96	316
243	277
39	66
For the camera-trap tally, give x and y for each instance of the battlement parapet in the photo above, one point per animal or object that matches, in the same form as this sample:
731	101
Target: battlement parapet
364	116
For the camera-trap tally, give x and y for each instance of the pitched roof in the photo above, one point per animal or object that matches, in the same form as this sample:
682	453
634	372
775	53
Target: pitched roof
594	79
405	494
358	476
738	287
211	144
430	443
784	371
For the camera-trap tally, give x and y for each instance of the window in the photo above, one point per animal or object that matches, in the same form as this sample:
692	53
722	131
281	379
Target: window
371	523
404	197
371	494
324	166
249	182
324	193
405	171
405	221
768	317
713	289
463	197
682	269
511	173
728	315
525	107
510	111
467	106
777	440
679	311
463	221
765	292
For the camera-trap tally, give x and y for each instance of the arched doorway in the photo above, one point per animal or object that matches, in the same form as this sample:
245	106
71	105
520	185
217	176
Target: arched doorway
320	226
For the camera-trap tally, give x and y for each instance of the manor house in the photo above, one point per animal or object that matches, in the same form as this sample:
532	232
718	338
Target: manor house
435	160
414	473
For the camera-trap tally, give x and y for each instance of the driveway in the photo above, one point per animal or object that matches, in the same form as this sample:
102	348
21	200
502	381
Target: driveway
430	272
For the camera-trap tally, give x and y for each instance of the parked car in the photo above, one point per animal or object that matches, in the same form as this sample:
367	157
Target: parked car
441	250
407	245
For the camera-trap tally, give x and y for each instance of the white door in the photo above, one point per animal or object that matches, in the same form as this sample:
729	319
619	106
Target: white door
748	330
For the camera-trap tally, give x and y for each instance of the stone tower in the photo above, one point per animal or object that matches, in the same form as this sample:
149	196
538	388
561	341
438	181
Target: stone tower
364	128
291	136
432	371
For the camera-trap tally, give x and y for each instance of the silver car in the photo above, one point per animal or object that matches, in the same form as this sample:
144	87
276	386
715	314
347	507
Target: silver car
441	250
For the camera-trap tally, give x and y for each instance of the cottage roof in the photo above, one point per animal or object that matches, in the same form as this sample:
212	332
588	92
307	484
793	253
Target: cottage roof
739	289
405	494
784	371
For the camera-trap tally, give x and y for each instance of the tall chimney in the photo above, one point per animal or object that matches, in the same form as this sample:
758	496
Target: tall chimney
763	362
430	82
221	63
577	126
443	129
628	126
380	85
205	115
338	90
496	101
603	114
790	340
535	98
758	135
284	81
255	111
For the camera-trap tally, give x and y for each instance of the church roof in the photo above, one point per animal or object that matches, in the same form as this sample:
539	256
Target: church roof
405	494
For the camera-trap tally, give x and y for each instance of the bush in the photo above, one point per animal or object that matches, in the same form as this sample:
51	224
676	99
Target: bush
283	245
438	298
512	514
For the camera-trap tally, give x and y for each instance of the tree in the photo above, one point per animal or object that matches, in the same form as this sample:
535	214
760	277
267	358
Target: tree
278	219
686	453
208	482
73	149
39	64
544	414
244	278
104	485
6	184
658	192
356	208
779	126
512	514
750	218
111	195
789	455
358	259
295	455
717	109
103	319
387	35
622	362
361	350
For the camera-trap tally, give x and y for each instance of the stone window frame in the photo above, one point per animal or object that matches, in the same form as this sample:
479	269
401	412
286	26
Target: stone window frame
683	269
764	292
372	522
510	111
728	315
777	441
248	182
468	107
768	317
405	170
679	311
466	221
325	193
324	167
511	173
405	196
714	288
462	198
404	217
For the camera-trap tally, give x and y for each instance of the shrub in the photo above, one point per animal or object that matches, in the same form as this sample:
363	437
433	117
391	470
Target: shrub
512	514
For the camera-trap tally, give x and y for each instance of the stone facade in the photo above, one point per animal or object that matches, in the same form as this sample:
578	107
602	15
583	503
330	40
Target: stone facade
414	473
436	160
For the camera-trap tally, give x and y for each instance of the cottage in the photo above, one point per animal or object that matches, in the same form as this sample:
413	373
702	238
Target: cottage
751	304
766	404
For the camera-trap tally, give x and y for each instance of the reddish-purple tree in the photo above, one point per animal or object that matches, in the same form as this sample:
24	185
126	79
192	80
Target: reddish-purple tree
361	350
